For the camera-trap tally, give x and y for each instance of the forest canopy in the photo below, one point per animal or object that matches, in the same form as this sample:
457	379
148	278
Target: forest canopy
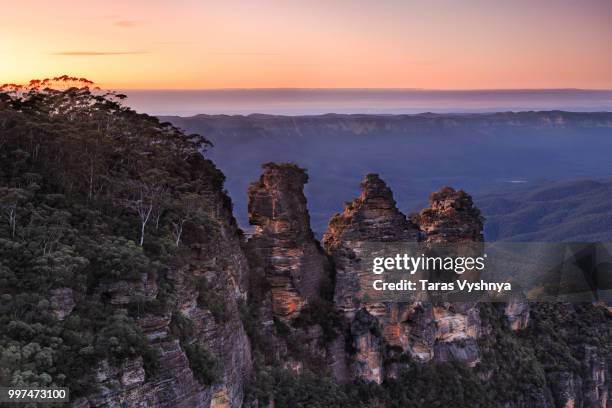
91	192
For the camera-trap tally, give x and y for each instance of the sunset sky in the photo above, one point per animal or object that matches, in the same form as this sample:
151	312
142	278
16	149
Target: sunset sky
196	44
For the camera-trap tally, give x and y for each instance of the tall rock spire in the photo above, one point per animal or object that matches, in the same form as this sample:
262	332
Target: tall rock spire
295	266
371	217
451	217
383	333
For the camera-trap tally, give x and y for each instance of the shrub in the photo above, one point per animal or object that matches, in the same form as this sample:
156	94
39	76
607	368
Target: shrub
202	363
212	300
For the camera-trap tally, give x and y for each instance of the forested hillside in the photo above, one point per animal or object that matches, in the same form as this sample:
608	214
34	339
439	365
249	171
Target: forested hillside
99	206
124	276
575	210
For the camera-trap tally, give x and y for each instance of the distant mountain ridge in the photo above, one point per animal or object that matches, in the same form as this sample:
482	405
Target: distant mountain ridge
575	210
319	101
388	123
416	154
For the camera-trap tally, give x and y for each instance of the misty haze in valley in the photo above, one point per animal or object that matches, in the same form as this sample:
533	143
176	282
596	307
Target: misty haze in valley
518	166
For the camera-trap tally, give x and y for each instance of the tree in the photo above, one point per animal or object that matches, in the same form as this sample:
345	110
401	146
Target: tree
72	159
10	201
187	207
146	196
140	201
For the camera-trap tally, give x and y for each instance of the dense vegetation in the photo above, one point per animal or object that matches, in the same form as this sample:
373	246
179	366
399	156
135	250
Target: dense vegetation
432	385
91	192
515	367
576	210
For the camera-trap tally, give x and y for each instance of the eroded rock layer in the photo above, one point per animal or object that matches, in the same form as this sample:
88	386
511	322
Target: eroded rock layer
451	217
295	266
201	297
382	333
371	217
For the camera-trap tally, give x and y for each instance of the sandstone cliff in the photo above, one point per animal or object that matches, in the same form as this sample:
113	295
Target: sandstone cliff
372	217
451	217
295	266
123	276
199	312
382	334
371	341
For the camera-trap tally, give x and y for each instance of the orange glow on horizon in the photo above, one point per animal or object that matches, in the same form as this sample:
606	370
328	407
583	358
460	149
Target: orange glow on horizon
189	44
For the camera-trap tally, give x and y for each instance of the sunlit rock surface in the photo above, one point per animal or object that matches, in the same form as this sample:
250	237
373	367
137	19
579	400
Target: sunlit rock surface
295	266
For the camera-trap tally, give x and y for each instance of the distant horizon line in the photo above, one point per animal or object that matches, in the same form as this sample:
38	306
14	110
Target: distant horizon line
362	89
442	114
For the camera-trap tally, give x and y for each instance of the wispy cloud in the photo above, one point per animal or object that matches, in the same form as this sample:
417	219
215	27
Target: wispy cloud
127	23
174	42
246	53
97	53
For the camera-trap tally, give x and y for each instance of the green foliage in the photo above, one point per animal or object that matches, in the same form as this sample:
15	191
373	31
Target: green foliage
204	366
323	313
420	385
65	158
439	385
563	331
212	300
119	339
118	258
555	341
287	389
181	327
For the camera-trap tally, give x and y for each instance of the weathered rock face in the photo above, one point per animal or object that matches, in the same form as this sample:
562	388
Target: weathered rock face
372	217
517	314
369	359
217	261
451	217
376	338
598	382
62	302
382	333
295	266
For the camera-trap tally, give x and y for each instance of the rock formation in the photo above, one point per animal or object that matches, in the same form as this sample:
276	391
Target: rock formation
62	302
382	333
517	314
451	217
295	266
372	217
196	316
377	340
216	261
